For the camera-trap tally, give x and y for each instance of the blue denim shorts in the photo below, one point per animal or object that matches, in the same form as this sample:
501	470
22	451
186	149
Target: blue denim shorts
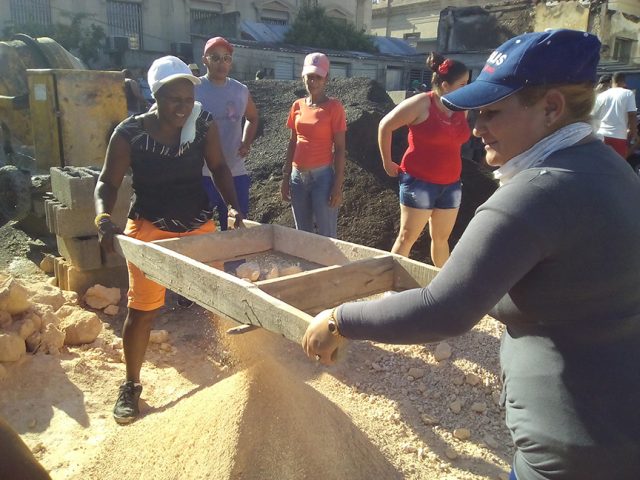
415	193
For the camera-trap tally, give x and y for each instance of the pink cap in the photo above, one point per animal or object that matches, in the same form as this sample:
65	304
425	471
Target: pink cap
218	42
317	63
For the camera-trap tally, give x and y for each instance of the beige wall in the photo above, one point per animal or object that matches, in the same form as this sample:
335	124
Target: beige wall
569	14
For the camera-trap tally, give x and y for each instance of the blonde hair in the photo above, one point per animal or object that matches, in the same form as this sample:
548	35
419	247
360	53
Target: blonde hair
579	97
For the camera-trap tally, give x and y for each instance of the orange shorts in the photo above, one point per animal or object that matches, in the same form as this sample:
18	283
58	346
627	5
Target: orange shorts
143	293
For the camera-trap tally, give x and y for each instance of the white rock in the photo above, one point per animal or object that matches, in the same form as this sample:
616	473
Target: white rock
456	406
80	327
26	326
51	339
462	433
290	270
248	271
443	351
99	297
428	420
165	346
472	379
159	336
71	298
479	407
46	264
451	453
12	347
273	273
45	294
490	441
416	372
111	310
408	448
13	296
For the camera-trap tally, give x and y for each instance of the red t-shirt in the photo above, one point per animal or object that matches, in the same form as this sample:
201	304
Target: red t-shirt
315	127
433	154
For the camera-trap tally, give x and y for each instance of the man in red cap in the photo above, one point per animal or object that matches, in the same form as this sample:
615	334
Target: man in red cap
228	101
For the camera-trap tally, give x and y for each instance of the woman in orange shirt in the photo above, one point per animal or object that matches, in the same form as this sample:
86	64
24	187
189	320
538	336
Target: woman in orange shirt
313	172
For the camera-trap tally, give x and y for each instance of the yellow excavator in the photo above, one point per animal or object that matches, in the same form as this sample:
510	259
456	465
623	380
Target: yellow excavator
54	112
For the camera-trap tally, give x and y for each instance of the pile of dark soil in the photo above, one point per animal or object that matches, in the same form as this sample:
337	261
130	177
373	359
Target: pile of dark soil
370	214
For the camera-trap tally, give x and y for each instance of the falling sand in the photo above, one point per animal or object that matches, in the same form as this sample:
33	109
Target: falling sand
262	422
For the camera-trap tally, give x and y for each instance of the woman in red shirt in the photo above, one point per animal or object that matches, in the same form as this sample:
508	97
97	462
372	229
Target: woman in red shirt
429	175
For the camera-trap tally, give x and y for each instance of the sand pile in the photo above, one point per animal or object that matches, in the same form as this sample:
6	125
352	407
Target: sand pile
262	422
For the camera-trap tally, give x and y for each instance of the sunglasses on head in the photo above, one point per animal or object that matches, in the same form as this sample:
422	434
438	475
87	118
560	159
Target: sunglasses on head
217	58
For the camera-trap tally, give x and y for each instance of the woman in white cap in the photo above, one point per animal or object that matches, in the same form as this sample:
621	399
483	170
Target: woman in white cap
553	254
313	171
164	149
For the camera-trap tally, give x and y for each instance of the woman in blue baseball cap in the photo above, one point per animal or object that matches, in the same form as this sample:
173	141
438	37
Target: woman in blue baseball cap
553	255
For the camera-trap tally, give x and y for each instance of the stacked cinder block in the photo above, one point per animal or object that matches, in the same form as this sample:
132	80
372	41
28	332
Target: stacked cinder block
70	216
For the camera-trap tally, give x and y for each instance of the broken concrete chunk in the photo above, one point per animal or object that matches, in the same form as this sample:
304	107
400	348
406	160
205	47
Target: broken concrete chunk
416	372
46	264
479	407
80	327
51	339
111	310
472	379
45	294
99	297
290	270
159	336
273	273
455	406
462	433
12	347
13	296
443	351
5	319
249	271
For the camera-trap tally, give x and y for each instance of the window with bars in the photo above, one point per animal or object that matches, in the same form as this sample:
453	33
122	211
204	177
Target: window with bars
204	21
29	12
274	17
125	20
622	49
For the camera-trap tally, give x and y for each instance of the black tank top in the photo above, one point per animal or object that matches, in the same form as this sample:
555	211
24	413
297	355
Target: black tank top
167	180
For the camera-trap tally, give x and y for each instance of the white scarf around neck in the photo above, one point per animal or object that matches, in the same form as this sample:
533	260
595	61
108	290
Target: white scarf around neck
561	138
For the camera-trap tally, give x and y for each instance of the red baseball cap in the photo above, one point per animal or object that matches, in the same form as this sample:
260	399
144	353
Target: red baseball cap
217	42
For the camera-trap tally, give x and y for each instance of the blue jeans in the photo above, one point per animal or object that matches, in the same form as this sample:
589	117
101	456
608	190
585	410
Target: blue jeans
242	184
415	193
310	191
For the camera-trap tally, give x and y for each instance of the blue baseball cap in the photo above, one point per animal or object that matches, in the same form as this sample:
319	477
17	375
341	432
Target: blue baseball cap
552	57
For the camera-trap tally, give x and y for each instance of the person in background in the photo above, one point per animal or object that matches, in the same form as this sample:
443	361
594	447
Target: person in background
260	74
313	171
553	254
195	69
615	109
429	175
229	101
164	149
604	83
136	103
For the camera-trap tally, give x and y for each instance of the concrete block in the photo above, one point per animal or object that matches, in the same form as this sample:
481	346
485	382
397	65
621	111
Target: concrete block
74	186
85	253
79	281
82	252
77	222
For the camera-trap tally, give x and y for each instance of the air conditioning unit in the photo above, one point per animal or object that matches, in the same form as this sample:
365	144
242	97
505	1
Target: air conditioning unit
182	49
117	43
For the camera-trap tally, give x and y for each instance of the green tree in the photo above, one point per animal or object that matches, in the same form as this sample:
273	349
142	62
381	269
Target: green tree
84	41
313	28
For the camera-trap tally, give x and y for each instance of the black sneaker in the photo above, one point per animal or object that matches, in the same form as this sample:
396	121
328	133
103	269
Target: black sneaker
184	302
126	409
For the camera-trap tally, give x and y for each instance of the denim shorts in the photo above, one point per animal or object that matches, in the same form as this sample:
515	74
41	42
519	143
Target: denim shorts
415	193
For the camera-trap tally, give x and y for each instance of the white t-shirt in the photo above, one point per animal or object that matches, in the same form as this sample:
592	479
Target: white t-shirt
612	110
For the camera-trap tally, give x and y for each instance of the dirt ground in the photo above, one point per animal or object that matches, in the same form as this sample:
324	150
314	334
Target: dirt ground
253	406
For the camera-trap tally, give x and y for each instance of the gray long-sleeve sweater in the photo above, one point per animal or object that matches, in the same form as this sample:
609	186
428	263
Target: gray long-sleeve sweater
555	255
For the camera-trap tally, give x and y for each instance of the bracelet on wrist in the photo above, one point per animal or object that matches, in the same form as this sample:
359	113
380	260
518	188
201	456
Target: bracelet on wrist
332	323
100	218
